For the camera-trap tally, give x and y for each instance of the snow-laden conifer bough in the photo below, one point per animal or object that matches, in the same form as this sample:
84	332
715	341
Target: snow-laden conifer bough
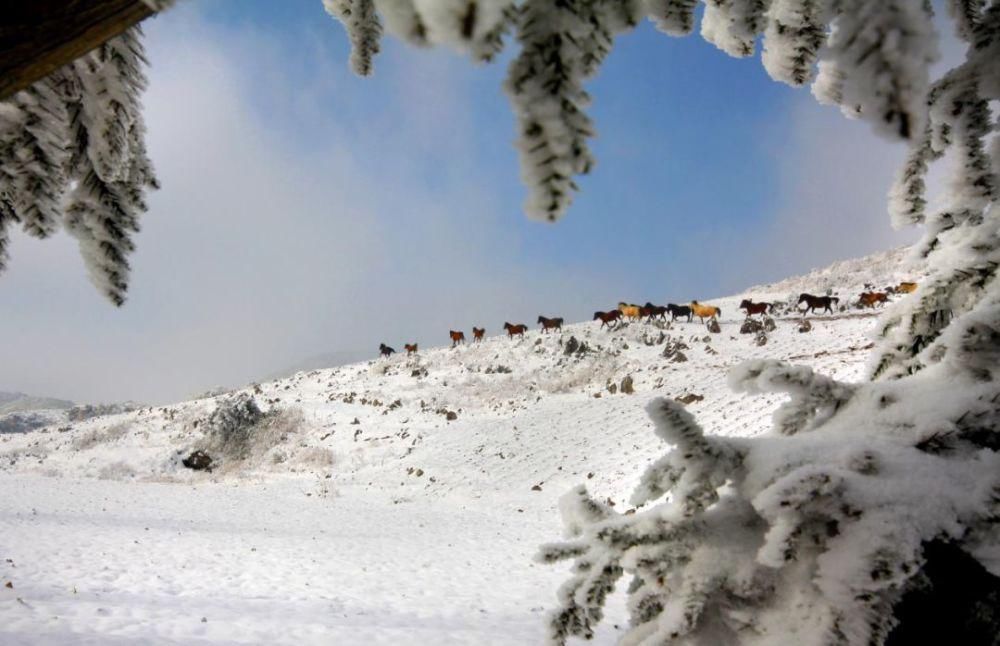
816	534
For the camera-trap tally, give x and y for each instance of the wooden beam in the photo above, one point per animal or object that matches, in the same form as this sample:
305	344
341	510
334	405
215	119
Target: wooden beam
37	37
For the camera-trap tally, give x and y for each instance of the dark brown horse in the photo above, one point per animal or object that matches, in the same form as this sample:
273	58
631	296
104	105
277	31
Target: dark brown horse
653	311
679	310
477	334
515	329
754	308
456	337
384	350
870	299
411	348
550	324
607	318
815	302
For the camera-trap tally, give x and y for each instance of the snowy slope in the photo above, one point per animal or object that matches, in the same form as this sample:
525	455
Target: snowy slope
366	515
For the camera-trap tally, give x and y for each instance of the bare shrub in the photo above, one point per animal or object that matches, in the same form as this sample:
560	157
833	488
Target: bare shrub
98	436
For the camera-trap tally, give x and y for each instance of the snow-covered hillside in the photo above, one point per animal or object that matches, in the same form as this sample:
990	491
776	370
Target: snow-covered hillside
389	499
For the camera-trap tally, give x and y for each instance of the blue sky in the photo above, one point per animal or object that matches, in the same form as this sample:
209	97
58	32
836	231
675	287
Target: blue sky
305	210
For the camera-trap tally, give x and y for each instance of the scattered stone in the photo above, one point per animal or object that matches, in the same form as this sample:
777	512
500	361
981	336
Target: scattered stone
713	326
9	585
571	346
751	326
805	326
690	398
673	352
537	488
419	372
198	461
356	421
451	416
626	386
761	338
710	350
612	388
769	324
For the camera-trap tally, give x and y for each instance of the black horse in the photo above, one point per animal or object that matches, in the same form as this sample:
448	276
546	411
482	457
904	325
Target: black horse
384	350
815	302
679	310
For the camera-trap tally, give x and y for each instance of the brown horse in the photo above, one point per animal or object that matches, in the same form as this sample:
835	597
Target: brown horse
515	329
550	324
456	337
705	311
815	302
870	299
477	334
384	350
607	318
411	348
754	308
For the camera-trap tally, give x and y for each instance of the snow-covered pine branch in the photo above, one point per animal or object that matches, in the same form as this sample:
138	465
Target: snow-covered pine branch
733	25
959	241
673	17
812	538
72	151
562	44
364	29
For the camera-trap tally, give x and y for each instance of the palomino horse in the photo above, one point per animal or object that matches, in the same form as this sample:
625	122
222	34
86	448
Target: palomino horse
384	350
705	311
815	302
870	299
906	288
651	311
456	337
477	334
550	324
515	329
607	318
411	348
754	308
679	310
629	311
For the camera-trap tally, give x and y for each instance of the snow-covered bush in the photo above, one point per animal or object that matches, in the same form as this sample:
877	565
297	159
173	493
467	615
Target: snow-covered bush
104	435
238	431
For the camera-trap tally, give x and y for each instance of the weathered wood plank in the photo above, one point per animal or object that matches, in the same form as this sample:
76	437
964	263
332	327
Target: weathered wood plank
38	37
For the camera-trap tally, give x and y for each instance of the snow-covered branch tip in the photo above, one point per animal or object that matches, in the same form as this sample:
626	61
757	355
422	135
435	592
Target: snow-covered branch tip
814	398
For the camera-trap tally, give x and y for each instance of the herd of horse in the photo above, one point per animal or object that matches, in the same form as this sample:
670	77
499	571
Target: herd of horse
634	312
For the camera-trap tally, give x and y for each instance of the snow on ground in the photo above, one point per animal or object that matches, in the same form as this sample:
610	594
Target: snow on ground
365	515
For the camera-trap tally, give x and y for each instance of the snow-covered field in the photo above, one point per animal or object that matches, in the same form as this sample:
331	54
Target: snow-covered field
362	514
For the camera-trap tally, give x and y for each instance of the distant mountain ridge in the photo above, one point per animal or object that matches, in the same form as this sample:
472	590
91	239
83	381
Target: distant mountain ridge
20	402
